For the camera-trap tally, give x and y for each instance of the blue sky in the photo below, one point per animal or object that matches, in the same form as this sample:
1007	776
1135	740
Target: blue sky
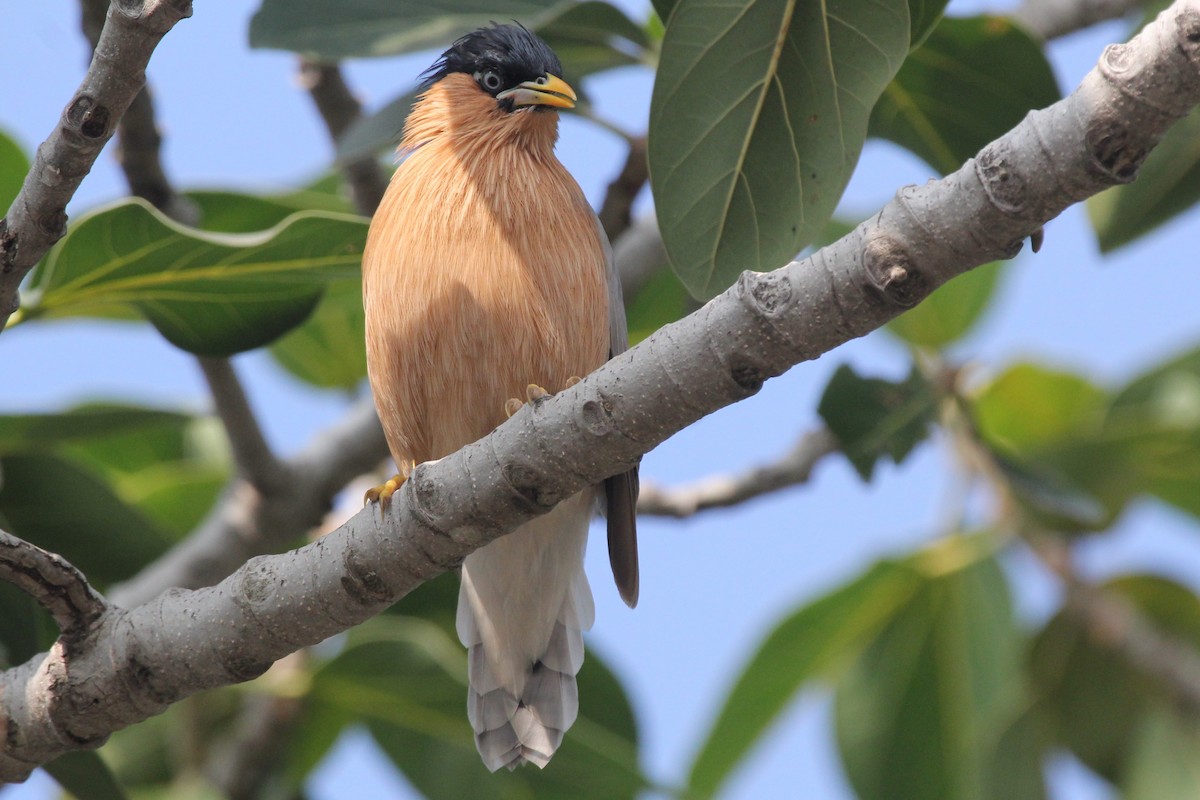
712	586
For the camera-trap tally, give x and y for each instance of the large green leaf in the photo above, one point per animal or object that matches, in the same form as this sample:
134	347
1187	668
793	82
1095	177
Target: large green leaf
375	132
872	418
85	776
951	311
1094	697
758	116
168	465
1167	184
662	300
924	710
208	293
328	350
13	167
817	642
407	679
338	29
234	212
66	509
923	17
1029	406
971	81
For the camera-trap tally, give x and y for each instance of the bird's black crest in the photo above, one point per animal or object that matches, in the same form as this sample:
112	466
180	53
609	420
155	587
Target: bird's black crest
512	52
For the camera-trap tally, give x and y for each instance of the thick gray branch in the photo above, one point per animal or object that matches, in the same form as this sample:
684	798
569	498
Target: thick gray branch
137	662
38	218
56	585
722	491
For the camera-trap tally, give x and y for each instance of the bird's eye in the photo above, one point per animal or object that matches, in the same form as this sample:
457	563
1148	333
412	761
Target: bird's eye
542	81
489	80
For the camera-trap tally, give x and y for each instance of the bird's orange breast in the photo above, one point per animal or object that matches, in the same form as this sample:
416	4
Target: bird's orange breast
483	272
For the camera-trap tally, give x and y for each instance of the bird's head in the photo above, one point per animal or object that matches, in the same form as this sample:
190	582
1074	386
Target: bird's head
492	79
510	63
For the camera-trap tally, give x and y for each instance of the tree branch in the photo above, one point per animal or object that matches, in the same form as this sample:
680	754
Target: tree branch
615	213
136	662
722	491
56	585
255	461
339	108
37	218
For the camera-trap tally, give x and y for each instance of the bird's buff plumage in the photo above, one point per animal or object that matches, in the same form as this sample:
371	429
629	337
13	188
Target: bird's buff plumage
485	271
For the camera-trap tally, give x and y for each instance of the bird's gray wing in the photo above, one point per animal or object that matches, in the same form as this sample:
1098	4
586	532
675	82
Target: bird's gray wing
621	491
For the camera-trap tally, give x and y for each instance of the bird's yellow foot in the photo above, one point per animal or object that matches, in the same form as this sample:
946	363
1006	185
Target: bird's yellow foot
384	491
534	393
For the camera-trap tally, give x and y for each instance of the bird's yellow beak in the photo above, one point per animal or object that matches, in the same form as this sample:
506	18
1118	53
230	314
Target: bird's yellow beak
548	90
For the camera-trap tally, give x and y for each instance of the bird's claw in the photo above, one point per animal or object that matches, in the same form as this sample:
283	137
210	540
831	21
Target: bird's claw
534	394
382	493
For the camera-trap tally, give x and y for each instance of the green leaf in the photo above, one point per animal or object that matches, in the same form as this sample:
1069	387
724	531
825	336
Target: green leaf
758	116
340	29
816	642
872	418
170	466
13	168
661	301
583	36
66	509
20	627
951	311
1167	184
971	81
1095	699
208	293
923	16
923	711
1029	407
328	350
1165	758
234	212
86	776
407	679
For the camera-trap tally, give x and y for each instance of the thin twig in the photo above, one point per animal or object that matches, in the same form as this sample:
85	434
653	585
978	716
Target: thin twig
54	583
38	218
616	212
253	456
721	491
339	109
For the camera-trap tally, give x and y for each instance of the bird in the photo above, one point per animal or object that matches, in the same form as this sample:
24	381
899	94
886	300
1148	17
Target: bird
487	277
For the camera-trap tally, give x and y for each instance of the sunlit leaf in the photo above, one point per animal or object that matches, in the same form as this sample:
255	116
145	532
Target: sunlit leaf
872	418
1030	406
234	212
1167	184
1165	758
209	293
922	713
971	81
816	642
951	311
758	116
